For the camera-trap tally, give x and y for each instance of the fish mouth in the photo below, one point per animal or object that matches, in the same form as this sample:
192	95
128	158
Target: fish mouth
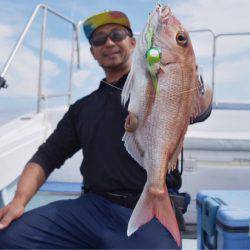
165	13
165	10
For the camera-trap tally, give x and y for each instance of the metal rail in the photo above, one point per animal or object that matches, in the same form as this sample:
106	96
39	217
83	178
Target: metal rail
41	60
225	105
75	46
216	103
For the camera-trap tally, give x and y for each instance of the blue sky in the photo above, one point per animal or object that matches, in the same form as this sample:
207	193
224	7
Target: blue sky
232	63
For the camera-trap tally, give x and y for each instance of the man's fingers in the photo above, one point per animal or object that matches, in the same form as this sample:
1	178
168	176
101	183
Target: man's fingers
1	213
5	221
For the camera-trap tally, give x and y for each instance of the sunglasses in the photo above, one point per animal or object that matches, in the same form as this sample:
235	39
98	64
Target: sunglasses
116	35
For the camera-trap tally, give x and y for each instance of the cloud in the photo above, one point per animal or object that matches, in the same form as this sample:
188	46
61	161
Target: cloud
86	56
61	48
80	77
6	30
6	42
231	64
202	43
87	79
228	72
231	46
226	46
219	15
23	74
85	83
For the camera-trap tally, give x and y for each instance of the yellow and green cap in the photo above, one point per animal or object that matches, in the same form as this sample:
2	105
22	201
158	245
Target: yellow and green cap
107	17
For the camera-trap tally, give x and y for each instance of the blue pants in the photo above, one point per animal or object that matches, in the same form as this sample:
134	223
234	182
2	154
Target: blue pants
89	221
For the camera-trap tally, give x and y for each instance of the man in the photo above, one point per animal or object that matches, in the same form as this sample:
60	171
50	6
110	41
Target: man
113	181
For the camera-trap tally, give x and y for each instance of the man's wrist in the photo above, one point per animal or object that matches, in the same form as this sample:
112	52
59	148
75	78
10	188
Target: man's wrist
20	200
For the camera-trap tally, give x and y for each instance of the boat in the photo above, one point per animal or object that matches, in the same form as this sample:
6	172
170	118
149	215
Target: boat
216	152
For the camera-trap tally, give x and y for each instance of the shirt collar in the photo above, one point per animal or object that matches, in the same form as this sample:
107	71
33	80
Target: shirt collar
119	84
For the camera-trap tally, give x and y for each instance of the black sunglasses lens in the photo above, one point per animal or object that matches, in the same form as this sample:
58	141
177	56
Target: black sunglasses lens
117	35
99	39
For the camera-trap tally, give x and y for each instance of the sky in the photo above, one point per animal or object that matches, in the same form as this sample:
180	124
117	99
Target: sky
232	74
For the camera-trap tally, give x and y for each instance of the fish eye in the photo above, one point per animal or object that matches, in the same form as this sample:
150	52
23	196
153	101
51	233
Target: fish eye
182	39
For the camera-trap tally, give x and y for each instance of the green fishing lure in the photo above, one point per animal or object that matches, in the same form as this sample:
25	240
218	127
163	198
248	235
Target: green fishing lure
153	55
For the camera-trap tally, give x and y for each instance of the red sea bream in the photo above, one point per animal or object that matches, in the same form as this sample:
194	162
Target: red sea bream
163	95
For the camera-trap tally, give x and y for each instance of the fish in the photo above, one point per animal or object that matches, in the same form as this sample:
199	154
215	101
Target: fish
162	91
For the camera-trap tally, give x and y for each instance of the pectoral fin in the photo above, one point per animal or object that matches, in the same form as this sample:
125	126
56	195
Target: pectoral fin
133	147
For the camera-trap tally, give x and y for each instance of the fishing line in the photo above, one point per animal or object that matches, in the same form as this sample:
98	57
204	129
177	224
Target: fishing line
111	85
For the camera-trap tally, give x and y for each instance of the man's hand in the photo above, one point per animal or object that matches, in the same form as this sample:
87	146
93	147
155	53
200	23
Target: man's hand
10	212
32	178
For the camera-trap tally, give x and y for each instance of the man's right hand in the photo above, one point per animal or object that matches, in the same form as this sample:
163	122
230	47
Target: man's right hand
32	177
10	212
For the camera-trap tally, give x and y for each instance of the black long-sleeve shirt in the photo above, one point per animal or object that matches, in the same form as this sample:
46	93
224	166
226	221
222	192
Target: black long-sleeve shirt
95	124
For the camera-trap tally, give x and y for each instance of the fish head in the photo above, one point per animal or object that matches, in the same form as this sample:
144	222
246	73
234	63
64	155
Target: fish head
171	38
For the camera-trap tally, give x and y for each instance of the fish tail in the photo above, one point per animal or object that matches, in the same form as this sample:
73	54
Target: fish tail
152	205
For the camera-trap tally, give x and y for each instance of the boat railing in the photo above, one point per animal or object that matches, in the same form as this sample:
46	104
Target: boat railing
229	105
216	103
75	47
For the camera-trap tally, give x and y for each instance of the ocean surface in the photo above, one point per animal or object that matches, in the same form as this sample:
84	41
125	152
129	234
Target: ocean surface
4	118
8	116
13	107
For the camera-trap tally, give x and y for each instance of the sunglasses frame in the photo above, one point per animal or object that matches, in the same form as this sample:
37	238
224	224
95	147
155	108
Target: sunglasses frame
109	35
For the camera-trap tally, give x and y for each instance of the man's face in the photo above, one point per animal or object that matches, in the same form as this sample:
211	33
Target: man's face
112	54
